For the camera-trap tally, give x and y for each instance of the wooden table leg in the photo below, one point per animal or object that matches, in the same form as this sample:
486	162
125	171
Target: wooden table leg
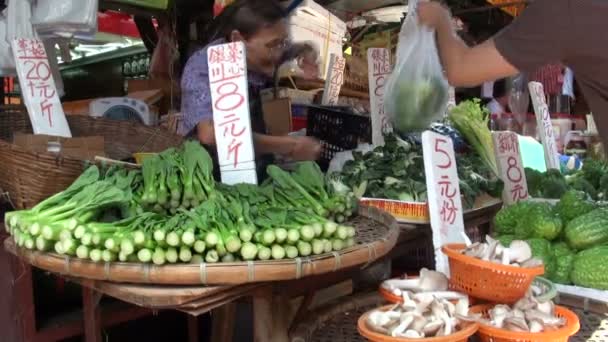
193	335
92	314
270	316
222	323
25	310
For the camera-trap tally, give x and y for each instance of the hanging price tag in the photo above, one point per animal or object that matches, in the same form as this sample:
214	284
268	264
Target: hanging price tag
379	69
334	80
230	98
510	167
38	88
445	204
543	122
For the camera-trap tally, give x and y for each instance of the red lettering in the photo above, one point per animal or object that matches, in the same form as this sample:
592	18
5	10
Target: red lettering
233	150
448	164
227	95
46	109
514	173
448	211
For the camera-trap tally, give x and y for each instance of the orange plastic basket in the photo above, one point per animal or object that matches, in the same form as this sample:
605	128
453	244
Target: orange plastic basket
488	333
487	280
460	336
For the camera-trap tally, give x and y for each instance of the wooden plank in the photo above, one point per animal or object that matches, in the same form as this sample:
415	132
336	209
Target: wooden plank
193	334
222	328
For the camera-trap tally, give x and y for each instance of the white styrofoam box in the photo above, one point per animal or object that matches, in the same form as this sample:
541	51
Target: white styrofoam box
311	22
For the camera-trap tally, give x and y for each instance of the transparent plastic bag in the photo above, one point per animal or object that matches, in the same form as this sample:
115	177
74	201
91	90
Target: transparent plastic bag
14	23
65	17
417	90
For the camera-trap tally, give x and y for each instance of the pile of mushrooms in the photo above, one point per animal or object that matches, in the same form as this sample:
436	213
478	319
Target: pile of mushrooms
527	315
427	309
518	253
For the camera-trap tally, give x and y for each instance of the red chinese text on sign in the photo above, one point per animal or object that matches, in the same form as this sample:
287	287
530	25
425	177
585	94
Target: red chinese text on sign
445	204
510	166
39	92
231	120
334	80
379	69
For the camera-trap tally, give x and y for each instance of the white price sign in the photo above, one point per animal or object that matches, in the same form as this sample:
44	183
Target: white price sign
334	80
445	204
510	167
38	88
379	69
230	98
544	126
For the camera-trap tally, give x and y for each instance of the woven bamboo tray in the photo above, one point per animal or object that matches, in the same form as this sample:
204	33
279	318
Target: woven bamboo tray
377	234
29	177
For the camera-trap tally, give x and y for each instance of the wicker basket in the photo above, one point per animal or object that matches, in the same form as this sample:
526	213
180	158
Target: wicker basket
29	177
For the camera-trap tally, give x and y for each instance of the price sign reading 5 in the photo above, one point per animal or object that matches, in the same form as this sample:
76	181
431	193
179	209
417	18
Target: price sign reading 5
445	204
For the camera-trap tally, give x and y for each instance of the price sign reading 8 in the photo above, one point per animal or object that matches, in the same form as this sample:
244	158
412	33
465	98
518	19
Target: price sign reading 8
506	148
231	121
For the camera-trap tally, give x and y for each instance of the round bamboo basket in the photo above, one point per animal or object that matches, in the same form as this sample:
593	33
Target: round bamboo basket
28	177
377	234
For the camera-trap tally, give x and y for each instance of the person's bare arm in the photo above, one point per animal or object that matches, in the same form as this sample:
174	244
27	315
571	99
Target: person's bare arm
465	66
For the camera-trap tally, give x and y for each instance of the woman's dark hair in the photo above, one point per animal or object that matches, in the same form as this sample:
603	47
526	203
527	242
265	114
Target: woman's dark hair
247	17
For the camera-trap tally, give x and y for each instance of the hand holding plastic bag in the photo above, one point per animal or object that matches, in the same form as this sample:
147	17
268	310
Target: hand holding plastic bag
417	90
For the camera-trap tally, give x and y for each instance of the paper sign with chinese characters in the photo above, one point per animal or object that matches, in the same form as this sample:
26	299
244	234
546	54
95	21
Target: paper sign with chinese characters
510	167
544	126
379	69
445	204
230	98
38	88
334	80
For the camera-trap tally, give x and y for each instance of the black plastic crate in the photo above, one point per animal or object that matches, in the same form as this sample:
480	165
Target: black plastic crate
337	131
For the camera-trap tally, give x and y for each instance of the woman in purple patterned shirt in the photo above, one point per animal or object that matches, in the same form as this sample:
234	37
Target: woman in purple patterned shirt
261	26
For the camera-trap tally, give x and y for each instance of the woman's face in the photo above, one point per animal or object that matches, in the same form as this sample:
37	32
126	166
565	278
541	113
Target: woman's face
265	48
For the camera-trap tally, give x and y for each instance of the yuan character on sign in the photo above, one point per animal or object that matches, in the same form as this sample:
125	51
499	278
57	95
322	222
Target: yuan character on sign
262	27
570	33
518	193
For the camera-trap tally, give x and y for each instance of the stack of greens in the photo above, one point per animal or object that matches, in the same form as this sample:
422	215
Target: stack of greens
396	171
172	211
569	237
591	179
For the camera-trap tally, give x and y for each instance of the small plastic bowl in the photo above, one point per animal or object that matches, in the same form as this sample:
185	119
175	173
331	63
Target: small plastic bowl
460	336
487	280
141	156
489	333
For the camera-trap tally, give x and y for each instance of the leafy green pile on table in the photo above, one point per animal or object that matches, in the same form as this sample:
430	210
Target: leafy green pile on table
396	171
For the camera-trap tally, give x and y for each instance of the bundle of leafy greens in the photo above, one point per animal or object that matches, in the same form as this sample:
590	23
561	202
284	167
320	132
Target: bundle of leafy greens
396	171
592	179
472	121
173	211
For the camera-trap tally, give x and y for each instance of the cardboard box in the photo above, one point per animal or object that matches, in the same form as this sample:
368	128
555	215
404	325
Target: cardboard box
277	116
86	148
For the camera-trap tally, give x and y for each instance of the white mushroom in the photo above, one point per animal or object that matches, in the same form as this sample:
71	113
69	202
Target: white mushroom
412	334
545	318
462	306
498	314
520	251
531	263
546	307
432	327
536	326
403	325
516	324
432	281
